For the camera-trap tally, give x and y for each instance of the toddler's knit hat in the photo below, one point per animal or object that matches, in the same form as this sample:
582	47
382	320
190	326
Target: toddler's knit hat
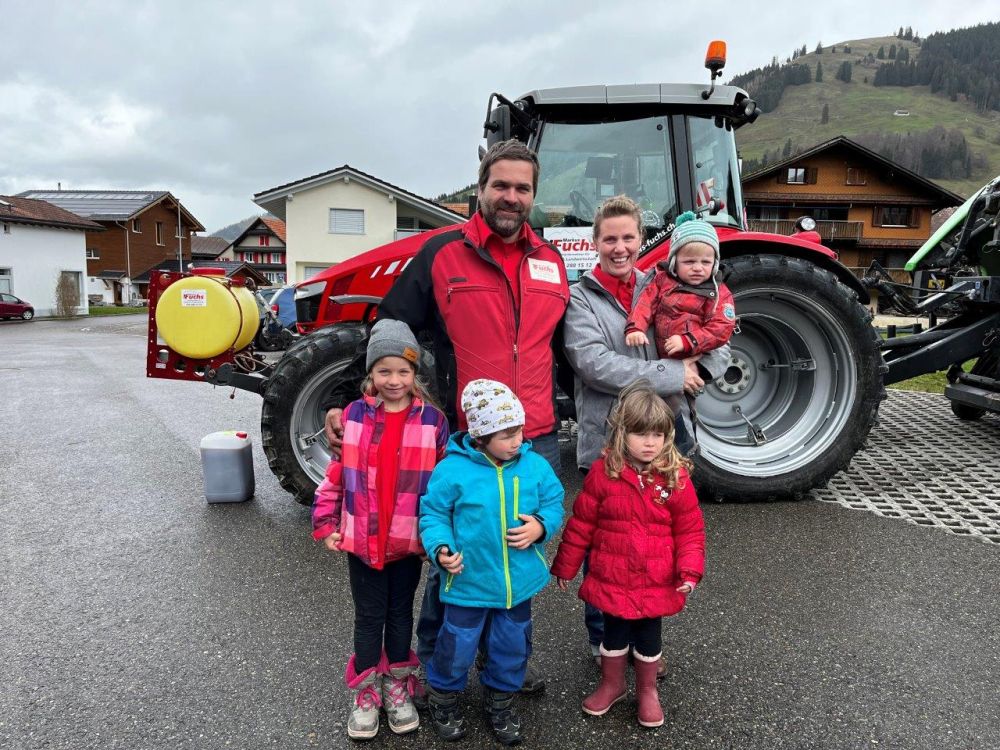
489	407
392	338
689	228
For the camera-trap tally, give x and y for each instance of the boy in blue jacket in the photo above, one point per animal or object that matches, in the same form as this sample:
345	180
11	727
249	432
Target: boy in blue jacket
490	507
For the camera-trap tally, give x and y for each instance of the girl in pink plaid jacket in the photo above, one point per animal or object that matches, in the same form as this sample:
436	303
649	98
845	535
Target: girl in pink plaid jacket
368	506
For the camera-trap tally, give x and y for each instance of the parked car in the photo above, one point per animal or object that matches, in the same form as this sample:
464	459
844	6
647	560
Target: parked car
15	307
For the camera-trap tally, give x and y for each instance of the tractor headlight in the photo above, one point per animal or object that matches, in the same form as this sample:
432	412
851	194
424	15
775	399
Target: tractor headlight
805	224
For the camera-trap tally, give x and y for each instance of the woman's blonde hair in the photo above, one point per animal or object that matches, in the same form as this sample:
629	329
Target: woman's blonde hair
640	410
420	389
620	205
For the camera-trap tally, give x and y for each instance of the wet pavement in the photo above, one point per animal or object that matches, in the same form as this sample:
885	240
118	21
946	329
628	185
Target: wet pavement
135	615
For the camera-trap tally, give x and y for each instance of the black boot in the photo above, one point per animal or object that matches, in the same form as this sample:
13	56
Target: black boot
446	714
501	716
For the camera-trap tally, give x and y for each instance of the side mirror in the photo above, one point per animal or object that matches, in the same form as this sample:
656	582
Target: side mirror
497	126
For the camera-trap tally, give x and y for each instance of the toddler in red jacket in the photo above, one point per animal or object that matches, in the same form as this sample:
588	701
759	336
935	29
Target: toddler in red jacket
638	518
690	311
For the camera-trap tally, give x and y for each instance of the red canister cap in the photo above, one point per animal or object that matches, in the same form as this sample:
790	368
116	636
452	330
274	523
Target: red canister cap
241	435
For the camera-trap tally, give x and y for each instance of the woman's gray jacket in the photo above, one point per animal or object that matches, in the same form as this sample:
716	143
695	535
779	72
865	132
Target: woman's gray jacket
595	345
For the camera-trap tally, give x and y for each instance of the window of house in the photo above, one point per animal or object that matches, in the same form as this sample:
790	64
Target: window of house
5	280
798	176
264	241
347	221
6	227
159	233
136	226
276	258
894	216
93	253
856	176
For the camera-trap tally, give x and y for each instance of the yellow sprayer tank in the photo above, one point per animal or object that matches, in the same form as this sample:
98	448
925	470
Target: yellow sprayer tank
204	315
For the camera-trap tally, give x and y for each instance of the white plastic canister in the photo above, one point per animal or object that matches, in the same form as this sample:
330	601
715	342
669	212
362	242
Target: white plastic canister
227	463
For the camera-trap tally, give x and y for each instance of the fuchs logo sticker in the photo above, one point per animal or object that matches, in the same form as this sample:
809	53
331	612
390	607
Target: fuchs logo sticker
194	298
543	270
729	312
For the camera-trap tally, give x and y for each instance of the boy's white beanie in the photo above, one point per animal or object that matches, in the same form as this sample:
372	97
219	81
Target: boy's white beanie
489	407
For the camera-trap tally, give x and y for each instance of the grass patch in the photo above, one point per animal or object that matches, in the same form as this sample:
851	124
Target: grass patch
97	312
931	382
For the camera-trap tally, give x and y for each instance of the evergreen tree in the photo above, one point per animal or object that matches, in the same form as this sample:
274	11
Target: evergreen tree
787	150
847	49
909	34
844	72
899	34
833	49
881	53
819	48
819	72
824	118
803	52
892	51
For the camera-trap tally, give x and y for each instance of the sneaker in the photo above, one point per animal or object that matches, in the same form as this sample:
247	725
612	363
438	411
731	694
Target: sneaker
419	694
399	708
595	652
499	710
534	682
446	714
661	668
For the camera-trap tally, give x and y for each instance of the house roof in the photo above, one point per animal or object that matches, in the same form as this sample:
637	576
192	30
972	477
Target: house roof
208	247
231	267
943	196
261	226
275	225
273	199
18	210
458	208
110	205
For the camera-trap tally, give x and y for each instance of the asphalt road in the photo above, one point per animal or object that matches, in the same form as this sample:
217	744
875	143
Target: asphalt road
134	615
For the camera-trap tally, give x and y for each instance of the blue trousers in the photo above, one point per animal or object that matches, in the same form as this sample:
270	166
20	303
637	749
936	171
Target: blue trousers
431	607
507	635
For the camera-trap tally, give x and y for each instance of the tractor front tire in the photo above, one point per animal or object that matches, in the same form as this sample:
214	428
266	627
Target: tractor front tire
292	417
802	390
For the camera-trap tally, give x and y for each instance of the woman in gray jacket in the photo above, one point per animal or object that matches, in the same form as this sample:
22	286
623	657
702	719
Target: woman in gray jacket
595	335
594	332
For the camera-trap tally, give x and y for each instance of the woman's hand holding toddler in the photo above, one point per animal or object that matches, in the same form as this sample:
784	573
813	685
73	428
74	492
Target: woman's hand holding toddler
674	345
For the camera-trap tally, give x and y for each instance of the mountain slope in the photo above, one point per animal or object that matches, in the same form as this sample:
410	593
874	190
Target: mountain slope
858	108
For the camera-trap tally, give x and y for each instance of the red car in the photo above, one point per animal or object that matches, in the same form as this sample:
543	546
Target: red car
13	307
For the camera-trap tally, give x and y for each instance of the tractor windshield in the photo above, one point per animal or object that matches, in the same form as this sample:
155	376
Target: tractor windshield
583	164
717	171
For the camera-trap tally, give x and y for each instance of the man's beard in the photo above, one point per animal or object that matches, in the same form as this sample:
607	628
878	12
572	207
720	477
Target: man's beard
504	227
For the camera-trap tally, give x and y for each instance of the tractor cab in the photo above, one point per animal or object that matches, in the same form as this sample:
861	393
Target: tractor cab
669	147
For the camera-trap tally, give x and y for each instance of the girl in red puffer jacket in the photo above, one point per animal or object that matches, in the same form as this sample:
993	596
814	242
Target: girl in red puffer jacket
637	517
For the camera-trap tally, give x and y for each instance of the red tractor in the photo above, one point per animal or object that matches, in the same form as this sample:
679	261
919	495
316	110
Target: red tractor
805	382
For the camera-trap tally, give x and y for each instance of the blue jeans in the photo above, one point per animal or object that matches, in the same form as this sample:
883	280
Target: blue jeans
507	636
432	608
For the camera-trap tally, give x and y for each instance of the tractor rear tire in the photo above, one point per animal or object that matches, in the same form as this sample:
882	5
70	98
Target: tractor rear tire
806	374
292	417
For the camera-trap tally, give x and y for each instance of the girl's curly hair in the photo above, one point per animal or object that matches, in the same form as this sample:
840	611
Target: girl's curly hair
639	409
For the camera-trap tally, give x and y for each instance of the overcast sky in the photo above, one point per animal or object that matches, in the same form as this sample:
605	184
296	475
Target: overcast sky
215	101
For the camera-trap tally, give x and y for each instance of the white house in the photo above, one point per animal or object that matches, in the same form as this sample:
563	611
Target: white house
336	215
40	244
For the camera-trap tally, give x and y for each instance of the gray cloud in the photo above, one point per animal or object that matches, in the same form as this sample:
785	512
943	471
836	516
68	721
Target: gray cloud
215	101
